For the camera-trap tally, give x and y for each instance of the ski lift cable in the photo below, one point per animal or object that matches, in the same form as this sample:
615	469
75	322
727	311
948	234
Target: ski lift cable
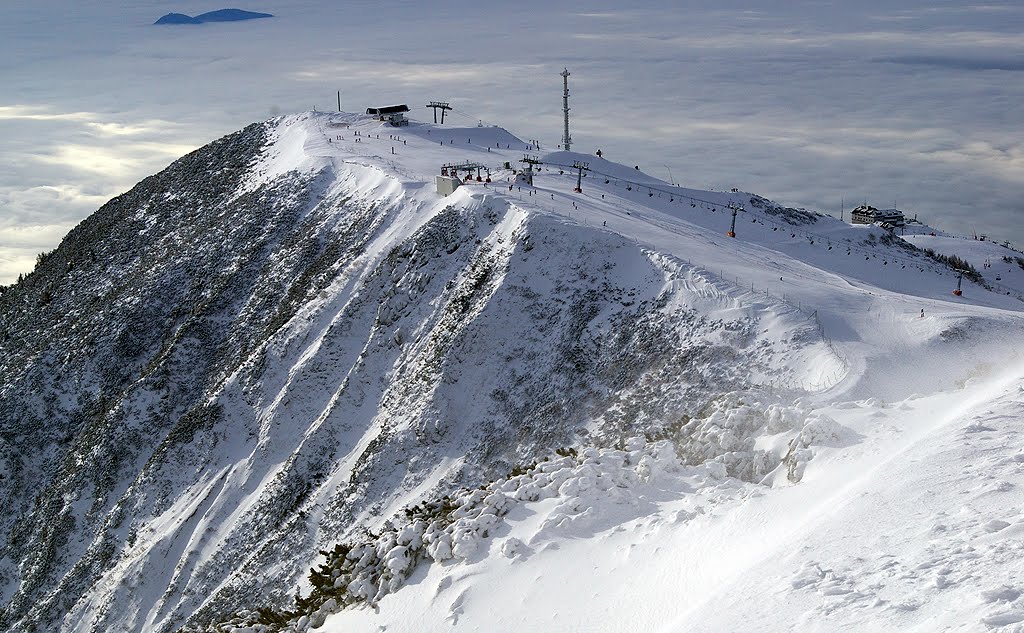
807	234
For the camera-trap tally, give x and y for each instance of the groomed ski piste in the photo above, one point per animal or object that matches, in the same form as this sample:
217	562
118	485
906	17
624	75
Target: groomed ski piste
898	505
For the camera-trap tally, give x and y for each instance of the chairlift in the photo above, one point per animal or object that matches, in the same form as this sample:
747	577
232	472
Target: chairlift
998	278
629	188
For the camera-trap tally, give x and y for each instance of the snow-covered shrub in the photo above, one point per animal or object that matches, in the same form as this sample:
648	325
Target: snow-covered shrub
459	526
716	444
726	433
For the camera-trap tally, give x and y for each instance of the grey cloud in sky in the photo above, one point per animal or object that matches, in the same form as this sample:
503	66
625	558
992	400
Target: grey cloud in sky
957	63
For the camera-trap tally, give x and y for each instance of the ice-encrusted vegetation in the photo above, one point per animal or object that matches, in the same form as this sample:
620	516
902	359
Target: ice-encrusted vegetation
713	452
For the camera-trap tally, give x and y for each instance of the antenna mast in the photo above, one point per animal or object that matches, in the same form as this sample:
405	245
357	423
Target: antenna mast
566	139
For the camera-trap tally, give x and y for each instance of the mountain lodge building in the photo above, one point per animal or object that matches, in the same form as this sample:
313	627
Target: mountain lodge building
395	115
866	214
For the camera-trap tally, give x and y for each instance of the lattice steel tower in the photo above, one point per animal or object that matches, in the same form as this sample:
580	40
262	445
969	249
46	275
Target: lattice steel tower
566	139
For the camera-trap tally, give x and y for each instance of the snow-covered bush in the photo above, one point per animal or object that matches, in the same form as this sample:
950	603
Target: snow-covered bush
718	443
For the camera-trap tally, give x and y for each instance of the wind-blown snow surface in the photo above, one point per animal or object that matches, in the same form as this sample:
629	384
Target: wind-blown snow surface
289	336
908	519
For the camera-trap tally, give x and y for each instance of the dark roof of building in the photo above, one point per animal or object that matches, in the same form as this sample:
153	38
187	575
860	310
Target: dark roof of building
884	213
395	109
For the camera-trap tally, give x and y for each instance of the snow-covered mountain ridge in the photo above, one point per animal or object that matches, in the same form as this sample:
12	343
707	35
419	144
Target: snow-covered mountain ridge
289	336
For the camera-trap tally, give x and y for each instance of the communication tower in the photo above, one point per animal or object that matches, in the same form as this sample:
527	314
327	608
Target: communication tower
566	139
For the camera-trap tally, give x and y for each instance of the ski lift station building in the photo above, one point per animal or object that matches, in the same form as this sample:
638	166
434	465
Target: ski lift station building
395	115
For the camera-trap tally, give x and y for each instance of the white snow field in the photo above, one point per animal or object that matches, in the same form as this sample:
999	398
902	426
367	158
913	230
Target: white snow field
907	514
879	438
909	518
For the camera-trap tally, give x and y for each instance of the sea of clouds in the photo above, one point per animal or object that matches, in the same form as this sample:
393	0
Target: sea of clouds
814	104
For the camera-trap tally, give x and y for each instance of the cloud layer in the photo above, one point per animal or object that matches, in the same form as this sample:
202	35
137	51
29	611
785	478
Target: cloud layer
811	104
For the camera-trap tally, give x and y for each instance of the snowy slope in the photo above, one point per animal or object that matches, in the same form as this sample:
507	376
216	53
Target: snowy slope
998	264
357	344
909	519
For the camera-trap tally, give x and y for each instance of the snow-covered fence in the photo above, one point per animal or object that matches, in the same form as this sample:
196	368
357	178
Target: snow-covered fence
811	313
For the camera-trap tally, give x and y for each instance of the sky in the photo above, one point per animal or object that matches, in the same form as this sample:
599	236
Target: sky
822	105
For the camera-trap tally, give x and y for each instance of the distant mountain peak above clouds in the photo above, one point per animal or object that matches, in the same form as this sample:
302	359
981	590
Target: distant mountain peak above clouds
220	15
